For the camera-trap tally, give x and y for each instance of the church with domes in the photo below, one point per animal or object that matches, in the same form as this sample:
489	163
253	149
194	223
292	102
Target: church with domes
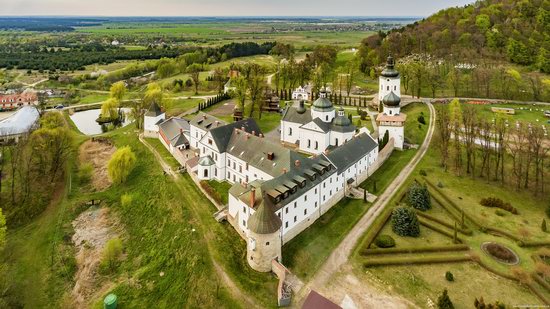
315	130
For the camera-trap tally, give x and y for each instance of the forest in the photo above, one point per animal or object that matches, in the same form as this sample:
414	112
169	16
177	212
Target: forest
516	31
44	59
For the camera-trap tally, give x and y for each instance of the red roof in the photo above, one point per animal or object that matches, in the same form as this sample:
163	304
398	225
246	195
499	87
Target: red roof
316	301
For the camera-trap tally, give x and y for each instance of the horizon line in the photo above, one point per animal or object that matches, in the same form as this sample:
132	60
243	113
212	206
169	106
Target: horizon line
223	16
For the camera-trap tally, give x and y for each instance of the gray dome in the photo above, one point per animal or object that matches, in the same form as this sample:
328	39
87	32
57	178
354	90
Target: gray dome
322	104
390	70
391	100
341	120
206	161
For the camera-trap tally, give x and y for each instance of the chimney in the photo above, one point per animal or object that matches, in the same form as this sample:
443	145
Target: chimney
217	123
181	130
261	135
253	132
247	136
242	128
284	170
270	156
204	116
297	163
252	197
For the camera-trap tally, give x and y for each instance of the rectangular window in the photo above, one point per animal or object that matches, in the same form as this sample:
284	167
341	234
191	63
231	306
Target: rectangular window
244	209
315	190
244	223
294	205
315	204
286	224
286	210
305	198
305	211
295	219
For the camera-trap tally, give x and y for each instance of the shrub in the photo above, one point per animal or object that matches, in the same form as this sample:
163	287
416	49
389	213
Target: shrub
543	225
444	301
405	222
498	203
384	241
85	173
449	276
439	184
419	197
126	200
423	173
111	254
421	119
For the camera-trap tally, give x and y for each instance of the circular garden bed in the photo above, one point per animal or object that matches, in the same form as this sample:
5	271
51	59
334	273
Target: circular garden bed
500	253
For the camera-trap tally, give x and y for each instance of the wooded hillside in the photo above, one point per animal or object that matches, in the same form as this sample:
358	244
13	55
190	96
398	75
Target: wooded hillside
517	31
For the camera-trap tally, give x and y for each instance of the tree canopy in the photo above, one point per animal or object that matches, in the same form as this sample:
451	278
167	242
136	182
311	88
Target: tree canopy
121	164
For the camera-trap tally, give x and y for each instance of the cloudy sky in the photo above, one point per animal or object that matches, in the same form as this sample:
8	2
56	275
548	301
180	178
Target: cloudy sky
226	7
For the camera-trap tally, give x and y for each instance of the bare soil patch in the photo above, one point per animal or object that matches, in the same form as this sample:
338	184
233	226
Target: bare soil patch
93	228
500	253
97	152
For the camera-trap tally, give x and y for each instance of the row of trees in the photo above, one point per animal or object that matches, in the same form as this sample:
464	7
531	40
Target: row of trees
423	76
32	167
514	154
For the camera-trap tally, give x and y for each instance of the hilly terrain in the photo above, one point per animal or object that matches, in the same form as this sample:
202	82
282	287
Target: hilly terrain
517	31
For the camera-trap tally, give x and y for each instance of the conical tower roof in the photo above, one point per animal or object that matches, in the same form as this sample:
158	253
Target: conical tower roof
264	220
322	104
341	120
154	110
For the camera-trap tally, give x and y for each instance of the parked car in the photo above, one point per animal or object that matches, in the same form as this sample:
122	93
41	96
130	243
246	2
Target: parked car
60	106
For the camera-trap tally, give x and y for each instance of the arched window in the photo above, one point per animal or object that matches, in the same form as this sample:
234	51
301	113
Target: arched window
205	173
316	145
289	131
394	87
308	143
326	117
388	88
336	142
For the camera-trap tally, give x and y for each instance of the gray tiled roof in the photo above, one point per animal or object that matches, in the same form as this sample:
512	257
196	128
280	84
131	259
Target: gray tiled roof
222	135
206	121
254	150
325	126
350	152
299	175
173	129
291	114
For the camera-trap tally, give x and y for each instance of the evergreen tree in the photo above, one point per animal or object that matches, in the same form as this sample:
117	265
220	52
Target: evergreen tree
444	301
543	225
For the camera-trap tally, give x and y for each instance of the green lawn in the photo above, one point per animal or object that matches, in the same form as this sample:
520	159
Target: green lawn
304	254
164	153
414	130
178	106
222	187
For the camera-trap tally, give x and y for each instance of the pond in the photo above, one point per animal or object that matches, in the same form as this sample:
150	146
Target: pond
86	122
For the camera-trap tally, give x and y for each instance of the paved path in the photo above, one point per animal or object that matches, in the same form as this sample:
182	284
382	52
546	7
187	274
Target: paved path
341	254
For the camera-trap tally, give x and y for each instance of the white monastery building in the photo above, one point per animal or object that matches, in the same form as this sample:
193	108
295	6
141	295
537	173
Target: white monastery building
278	192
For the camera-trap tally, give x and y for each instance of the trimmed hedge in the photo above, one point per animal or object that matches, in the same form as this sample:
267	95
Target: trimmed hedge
443	248
454	205
442	222
498	203
541	281
534	243
416	260
438	229
376	227
384	241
